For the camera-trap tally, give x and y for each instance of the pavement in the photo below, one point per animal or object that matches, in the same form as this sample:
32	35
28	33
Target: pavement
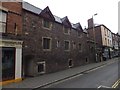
47	79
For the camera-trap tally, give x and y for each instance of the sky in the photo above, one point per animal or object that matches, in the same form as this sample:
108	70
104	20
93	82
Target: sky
82	10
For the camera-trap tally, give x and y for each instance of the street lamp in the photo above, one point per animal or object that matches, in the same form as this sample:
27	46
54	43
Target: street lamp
94	38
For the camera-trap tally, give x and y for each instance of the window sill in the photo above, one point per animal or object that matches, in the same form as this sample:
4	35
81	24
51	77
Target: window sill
66	33
46	28
46	49
66	50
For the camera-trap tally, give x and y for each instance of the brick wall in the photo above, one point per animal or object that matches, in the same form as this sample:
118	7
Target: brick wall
14	18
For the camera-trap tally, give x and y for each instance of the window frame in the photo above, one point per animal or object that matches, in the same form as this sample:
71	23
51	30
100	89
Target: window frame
2	22
80	47
64	28
50	46
50	24
79	34
58	44
72	64
44	67
68	45
74	45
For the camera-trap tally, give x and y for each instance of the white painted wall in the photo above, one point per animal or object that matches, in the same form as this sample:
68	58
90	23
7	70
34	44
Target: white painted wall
18	63
108	36
18	54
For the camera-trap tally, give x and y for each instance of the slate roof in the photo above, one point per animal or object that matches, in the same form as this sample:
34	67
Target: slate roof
73	26
85	31
36	10
31	8
57	19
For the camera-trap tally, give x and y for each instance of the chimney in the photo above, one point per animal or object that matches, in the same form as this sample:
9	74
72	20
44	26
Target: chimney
90	23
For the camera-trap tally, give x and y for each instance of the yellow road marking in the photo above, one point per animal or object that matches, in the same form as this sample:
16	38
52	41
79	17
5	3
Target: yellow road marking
116	84
10	81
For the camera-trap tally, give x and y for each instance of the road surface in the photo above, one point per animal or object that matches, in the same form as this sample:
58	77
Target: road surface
104	76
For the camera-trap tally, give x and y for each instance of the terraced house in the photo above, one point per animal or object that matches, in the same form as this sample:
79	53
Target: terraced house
115	39
10	41
35	42
103	36
51	43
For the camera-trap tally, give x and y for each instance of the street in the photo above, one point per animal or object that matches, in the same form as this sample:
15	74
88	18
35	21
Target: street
105	76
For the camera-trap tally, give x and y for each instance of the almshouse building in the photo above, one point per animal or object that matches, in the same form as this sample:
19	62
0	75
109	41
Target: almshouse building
51	43
35	42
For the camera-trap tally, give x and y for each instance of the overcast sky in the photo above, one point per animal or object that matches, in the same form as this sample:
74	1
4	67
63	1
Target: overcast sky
82	10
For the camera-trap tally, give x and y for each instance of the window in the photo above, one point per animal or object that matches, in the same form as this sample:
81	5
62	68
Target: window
86	59
46	24
80	47
70	63
15	28
91	49
41	67
87	35
66	30
110	42
58	43
74	45
79	34
3	16
105	41
67	45
46	43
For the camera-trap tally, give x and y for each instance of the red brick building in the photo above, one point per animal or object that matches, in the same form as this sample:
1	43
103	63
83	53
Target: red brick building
10	42
102	37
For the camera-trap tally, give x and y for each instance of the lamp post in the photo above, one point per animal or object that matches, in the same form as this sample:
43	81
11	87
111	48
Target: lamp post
96	59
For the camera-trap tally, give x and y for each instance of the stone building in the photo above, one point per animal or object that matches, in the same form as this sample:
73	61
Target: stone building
34	42
51	43
10	41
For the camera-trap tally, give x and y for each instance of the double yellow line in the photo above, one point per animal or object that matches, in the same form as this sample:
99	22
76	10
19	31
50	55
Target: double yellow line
116	84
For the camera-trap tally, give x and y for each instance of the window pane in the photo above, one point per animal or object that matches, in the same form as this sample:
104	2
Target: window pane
74	45
46	24
58	43
66	30
46	43
2	27
40	67
79	46
79	34
66	45
2	16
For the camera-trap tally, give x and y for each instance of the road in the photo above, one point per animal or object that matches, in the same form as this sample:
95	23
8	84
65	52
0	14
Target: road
104	76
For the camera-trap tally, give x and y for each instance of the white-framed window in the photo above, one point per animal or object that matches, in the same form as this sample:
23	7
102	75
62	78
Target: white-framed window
3	16
67	45
47	24
46	43
41	67
66	30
